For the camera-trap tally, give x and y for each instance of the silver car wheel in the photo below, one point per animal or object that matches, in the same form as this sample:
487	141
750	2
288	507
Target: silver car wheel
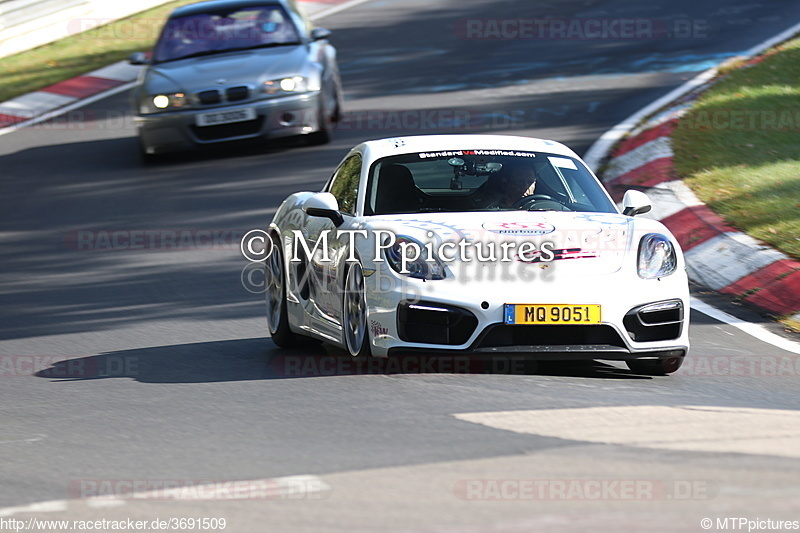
355	311
274	294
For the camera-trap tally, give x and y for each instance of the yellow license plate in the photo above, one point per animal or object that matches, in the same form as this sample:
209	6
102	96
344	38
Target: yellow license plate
516	314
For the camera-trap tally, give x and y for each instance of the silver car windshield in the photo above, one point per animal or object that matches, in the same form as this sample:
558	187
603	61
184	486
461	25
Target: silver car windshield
476	180
212	33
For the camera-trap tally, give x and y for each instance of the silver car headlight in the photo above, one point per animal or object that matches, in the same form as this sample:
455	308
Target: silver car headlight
410	258
657	257
282	86
158	103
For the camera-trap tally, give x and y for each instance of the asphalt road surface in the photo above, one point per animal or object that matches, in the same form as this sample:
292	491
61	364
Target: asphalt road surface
128	368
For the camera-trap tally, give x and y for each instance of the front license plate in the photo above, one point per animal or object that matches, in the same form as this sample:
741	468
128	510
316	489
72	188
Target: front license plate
516	314
226	117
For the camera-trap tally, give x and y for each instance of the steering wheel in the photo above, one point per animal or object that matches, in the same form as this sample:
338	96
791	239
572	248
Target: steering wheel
530	199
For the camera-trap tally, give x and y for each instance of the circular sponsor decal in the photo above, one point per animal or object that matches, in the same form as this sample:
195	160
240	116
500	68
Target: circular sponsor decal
519	228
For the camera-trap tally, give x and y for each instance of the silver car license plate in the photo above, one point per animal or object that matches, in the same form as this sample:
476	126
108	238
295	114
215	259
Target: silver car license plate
226	117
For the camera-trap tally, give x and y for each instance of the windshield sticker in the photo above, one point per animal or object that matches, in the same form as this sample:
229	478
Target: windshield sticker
519	228
429	155
563	162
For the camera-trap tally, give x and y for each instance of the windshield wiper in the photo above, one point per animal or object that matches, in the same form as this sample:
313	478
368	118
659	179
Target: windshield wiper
226	50
194	54
257	46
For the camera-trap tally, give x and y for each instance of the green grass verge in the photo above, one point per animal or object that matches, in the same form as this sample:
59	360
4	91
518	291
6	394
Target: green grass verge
739	150
81	53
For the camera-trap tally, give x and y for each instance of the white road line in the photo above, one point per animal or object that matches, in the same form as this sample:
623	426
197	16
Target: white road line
287	487
66	109
52	506
749	431
597	152
755	330
336	9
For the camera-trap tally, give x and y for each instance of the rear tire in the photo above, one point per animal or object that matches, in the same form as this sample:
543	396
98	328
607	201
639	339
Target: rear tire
655	367
277	314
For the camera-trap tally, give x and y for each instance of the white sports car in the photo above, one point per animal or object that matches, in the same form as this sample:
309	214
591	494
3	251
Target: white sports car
476	244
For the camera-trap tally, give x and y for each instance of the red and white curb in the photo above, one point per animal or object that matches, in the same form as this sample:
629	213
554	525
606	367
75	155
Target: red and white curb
21	110
41	105
717	255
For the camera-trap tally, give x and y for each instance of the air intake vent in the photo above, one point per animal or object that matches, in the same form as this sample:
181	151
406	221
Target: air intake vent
209	97
235	94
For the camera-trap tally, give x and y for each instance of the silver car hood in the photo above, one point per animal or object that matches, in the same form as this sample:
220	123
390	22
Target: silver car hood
246	67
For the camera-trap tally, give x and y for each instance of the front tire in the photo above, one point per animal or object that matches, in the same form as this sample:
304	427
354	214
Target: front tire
354	313
277	314
147	159
655	367
325	124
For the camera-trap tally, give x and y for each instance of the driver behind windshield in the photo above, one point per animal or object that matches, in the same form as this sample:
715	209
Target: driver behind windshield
515	182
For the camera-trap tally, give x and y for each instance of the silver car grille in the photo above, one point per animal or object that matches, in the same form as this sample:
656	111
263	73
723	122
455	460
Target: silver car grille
231	94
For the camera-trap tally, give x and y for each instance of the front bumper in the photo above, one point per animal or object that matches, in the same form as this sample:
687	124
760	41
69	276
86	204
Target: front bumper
276	117
449	319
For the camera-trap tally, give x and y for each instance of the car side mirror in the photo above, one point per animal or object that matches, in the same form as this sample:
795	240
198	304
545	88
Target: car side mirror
324	205
318	34
138	58
635	203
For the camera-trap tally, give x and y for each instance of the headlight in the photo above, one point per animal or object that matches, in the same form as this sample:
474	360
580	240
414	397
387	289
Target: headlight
409	257
163	102
657	257
296	84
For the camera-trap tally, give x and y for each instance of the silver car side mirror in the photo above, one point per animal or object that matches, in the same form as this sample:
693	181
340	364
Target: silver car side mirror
319	34
138	58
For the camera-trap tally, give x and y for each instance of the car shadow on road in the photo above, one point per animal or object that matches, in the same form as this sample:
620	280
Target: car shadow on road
260	359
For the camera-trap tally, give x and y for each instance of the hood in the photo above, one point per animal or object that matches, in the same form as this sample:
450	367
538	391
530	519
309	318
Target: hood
567	242
247	67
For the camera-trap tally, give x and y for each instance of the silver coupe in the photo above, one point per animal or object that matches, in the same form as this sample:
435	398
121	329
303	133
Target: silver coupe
229	70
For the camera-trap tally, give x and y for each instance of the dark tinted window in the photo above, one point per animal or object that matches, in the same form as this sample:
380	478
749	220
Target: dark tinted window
482	181
221	31
344	184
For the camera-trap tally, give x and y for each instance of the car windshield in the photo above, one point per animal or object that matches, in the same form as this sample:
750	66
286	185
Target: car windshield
482	180
223	31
